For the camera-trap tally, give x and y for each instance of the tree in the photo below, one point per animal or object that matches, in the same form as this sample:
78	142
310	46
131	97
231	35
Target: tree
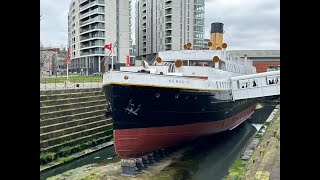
46	58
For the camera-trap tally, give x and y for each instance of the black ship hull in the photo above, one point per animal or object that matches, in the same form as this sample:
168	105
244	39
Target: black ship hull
146	118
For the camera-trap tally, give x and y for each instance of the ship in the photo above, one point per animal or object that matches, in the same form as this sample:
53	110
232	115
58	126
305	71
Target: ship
179	96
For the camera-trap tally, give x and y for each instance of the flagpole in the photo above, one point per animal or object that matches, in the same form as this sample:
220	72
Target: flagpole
67	61
112	58
67	70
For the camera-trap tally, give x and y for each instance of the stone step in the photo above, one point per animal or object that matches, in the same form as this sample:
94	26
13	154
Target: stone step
73	123
70	95
100	122
71	100
67	118
102	131
104	135
74	111
71	106
69	91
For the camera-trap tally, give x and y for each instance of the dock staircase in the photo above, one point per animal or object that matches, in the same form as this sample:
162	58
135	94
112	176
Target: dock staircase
73	117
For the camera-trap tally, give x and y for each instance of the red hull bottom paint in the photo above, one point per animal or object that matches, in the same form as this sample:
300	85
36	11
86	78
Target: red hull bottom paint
131	143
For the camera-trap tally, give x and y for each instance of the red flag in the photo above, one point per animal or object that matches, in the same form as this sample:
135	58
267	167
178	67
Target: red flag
127	60
68	56
108	46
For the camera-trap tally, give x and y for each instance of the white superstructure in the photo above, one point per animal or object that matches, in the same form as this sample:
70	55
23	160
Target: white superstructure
196	69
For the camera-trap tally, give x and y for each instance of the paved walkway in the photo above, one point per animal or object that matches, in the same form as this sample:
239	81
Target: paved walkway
264	164
60	86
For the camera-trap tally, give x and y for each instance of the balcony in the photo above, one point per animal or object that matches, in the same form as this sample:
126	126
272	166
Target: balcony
169	26
168	47
168	33
168	41
168	6
168	12
198	28
144	21
201	2
82	1
144	8
168	19
97	10
91	53
99	2
92	20
83	46
91	37
92	28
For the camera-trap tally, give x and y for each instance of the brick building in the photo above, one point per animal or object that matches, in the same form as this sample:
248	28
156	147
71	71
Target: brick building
262	59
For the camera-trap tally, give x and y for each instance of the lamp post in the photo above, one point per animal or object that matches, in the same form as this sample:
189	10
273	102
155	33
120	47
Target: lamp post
86	61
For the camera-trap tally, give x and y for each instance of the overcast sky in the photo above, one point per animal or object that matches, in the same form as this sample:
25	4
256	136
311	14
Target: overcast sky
248	24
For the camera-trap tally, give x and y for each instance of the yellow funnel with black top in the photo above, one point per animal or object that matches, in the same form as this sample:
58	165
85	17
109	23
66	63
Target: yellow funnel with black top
216	35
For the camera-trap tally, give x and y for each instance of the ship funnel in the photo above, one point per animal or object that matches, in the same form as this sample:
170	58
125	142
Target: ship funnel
216	35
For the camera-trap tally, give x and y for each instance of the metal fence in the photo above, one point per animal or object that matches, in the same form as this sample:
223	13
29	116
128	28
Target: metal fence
55	84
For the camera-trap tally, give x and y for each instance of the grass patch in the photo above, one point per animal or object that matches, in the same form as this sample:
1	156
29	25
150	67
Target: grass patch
65	159
258	136
92	176
64	151
267	123
63	154
237	170
46	157
71	79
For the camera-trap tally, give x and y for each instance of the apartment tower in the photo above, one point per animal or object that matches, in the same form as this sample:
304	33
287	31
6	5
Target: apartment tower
91	25
163	25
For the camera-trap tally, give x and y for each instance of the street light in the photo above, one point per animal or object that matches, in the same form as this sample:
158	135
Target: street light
86	61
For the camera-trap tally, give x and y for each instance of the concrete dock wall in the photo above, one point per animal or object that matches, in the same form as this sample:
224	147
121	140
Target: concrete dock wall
72	117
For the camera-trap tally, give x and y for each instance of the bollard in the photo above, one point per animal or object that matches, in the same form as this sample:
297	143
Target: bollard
139	164
144	160
150	159
156	156
161	153
128	167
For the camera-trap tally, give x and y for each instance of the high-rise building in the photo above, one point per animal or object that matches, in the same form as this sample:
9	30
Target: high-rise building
91	25
167	25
